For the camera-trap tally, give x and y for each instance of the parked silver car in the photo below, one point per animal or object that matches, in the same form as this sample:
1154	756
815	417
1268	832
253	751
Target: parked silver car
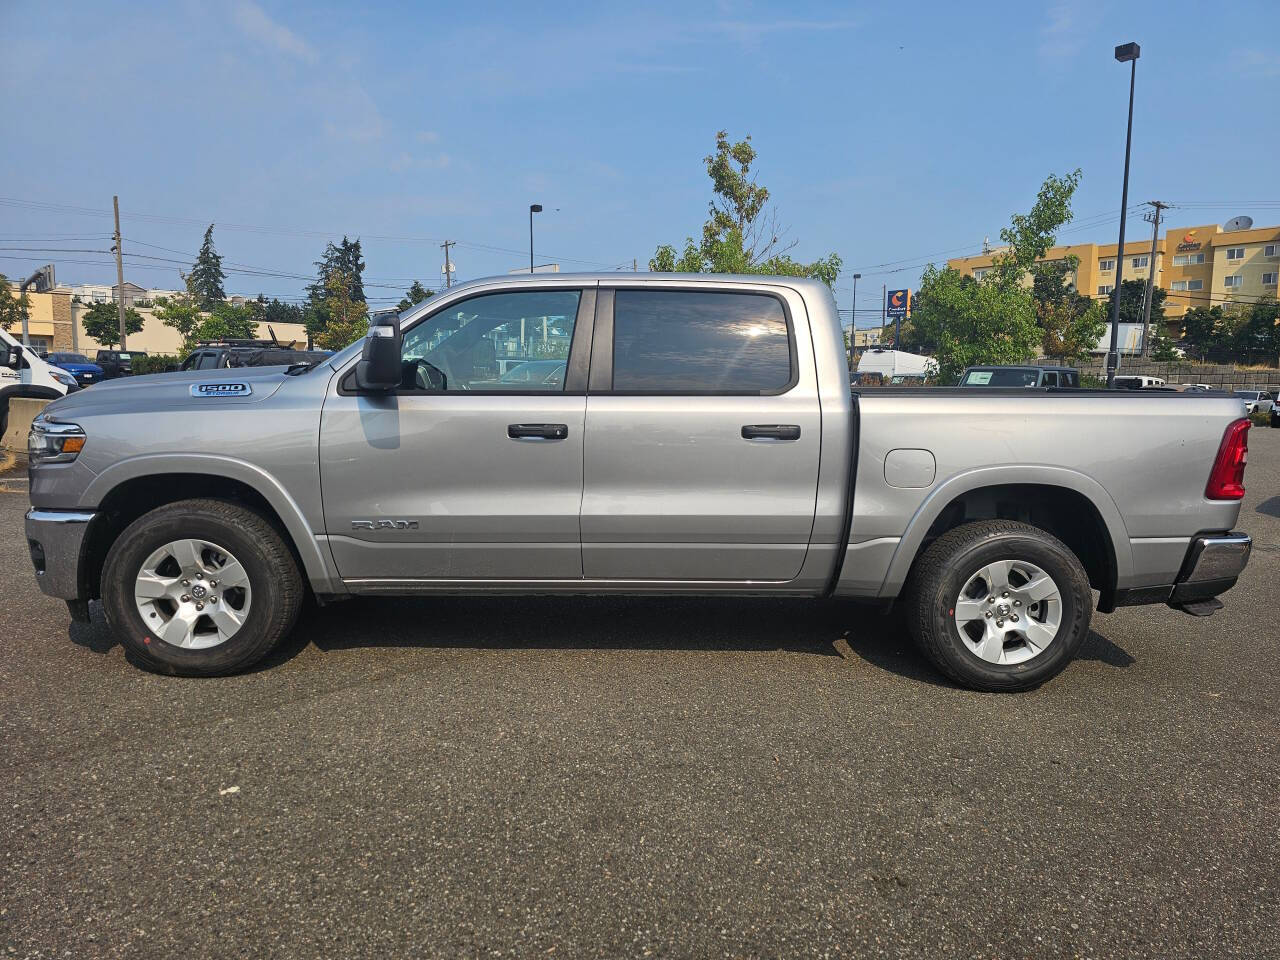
703	439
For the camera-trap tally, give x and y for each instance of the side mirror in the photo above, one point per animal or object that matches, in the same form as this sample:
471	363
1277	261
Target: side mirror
379	365
13	357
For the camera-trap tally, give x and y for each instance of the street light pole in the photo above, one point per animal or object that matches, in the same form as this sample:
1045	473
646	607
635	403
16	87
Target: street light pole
1125	53
533	208
853	318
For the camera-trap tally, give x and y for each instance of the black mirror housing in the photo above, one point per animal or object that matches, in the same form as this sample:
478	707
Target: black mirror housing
379	366
13	357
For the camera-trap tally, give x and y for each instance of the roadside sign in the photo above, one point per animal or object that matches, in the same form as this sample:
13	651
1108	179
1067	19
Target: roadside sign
899	304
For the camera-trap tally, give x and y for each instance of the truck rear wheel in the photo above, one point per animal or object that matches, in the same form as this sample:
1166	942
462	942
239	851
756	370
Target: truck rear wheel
999	605
200	588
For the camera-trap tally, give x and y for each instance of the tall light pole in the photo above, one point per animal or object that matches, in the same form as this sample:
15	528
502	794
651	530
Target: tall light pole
853	318
1125	53
533	208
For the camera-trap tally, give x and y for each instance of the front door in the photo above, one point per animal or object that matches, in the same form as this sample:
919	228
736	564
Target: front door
703	435
473	468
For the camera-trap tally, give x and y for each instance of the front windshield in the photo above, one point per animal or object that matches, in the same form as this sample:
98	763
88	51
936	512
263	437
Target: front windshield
68	358
1000	377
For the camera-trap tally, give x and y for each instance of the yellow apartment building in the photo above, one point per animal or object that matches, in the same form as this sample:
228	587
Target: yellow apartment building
1198	266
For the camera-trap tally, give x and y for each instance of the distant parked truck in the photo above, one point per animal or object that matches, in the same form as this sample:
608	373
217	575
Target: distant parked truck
896	366
224	354
117	363
1031	375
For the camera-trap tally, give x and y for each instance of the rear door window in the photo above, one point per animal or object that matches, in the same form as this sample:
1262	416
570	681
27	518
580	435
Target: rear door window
701	342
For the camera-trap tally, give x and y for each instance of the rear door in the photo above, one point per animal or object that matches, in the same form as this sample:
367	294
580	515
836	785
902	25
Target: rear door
703	435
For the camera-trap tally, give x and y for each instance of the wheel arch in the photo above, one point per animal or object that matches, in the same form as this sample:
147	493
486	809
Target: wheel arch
1073	507
128	489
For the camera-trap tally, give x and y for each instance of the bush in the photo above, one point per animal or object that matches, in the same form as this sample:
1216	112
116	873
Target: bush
1260	418
153	363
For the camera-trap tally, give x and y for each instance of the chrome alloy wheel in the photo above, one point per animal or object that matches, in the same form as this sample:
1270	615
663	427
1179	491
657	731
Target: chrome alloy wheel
192	594
1009	611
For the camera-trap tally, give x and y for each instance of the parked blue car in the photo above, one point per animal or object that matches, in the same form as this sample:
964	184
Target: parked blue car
79	366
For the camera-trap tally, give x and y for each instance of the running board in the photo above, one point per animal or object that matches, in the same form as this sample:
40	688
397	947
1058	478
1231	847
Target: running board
1199	608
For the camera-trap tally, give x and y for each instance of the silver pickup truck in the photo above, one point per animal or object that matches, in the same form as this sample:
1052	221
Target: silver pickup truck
659	434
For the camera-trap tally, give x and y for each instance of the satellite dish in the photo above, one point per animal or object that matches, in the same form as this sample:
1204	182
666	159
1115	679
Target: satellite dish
1237	223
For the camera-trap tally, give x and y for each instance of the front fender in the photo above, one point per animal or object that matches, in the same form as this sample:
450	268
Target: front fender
316	561
993	476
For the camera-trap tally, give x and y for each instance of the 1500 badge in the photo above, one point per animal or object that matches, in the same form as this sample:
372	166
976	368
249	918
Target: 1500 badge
221	389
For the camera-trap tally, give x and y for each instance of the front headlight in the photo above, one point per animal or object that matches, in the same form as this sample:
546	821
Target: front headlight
64	378
50	442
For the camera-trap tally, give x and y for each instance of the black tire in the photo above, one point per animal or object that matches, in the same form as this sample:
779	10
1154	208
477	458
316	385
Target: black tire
274	579
942	571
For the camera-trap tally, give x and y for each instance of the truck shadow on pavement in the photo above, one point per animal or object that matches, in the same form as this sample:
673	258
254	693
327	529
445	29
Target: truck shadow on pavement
820	628
1270	507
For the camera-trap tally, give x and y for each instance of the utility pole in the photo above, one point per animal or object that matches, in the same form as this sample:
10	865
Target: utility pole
634	265
1152	218
448	275
853	319
884	305
115	202
1125	53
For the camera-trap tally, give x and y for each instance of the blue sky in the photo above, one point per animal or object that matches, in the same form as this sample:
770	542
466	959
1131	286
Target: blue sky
888	133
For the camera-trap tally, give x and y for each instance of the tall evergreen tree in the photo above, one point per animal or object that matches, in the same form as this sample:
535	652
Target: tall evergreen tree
415	294
342	260
205	280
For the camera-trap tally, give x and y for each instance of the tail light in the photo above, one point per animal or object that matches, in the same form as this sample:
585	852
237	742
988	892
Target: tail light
1226	480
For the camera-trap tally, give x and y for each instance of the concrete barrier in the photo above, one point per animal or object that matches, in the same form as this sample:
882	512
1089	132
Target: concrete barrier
22	410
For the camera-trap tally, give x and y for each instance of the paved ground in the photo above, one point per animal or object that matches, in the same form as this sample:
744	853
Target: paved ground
603	778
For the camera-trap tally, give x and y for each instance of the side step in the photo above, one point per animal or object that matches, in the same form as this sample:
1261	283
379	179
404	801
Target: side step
1199	608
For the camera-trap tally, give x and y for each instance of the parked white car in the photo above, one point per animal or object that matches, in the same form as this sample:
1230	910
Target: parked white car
1256	400
24	374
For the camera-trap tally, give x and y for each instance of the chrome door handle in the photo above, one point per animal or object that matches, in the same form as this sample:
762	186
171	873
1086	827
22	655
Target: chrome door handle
771	431
537	431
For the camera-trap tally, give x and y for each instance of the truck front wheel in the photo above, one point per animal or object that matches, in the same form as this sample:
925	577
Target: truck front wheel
200	588
999	605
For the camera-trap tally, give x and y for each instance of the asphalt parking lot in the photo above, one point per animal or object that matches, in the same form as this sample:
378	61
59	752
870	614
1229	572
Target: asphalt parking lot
636	777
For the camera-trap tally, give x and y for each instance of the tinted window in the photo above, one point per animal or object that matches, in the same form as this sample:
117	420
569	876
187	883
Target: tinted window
1000	377
470	344
671	341
1050	379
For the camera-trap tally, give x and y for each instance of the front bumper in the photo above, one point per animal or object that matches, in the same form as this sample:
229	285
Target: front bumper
56	540
1212	566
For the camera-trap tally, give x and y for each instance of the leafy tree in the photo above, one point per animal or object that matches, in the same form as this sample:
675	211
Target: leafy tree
966	321
1256	333
1200	328
228	322
1132	293
181	313
343	260
348	318
205	279
12	308
1070	323
102	322
415	294
742	235
1162	348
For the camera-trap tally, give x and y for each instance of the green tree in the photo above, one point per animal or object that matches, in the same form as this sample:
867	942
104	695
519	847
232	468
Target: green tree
742	235
1132	293
343	260
1257	336
965	321
12	307
102	322
205	279
1200	326
1162	348
348	318
1070	323
414	295
181	313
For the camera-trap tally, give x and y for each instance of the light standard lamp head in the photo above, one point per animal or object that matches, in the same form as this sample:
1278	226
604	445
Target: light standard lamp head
533	208
1128	51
